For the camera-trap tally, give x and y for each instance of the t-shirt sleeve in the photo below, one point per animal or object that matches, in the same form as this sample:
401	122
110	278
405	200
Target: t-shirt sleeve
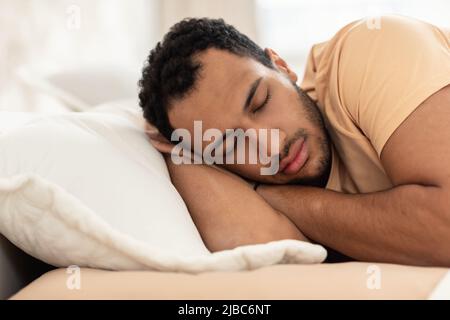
387	69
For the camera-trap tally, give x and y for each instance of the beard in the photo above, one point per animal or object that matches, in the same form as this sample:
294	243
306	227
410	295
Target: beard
313	114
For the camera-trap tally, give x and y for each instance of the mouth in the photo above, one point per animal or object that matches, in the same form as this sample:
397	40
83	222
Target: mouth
296	158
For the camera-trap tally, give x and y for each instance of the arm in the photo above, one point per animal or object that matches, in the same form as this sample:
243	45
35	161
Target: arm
396	225
226	210
409	223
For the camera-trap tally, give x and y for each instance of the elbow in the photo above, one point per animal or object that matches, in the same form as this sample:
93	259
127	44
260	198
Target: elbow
438	233
432	239
440	251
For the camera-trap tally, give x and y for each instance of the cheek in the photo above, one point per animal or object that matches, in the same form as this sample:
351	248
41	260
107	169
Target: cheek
286	114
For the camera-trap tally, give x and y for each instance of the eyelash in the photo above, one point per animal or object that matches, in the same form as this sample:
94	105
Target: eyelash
269	96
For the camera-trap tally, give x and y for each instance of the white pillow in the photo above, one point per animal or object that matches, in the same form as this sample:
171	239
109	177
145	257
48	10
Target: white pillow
88	189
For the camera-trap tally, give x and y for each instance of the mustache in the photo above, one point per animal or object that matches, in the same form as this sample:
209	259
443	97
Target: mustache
299	134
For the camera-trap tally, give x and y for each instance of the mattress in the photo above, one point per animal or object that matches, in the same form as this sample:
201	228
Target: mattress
324	281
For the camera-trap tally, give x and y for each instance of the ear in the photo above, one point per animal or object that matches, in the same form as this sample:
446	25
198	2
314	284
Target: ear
158	140
281	64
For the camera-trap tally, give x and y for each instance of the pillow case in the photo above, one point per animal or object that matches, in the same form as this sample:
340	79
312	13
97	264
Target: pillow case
88	189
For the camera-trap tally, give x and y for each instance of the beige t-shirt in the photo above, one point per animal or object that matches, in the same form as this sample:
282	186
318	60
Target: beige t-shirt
366	81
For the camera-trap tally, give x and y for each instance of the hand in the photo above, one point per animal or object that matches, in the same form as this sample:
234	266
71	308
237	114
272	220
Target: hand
158	140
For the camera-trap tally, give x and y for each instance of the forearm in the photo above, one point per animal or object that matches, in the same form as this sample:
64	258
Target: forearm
400	225
226	210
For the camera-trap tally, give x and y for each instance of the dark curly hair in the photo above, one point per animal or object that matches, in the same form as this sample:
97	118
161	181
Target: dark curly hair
171	70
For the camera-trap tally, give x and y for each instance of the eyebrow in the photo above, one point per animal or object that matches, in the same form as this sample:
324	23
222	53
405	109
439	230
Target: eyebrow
251	92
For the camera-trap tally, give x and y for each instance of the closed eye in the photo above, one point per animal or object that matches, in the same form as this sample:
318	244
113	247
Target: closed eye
266	101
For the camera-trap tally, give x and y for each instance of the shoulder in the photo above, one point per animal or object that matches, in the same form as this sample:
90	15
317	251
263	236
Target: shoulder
392	30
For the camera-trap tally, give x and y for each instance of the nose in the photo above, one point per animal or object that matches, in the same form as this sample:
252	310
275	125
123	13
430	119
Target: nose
270	140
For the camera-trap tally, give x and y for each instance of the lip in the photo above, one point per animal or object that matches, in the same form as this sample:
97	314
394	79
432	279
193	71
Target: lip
296	158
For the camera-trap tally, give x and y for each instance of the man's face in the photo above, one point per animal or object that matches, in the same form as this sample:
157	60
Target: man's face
234	92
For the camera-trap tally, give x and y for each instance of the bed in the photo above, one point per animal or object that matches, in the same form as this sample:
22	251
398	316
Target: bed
24	277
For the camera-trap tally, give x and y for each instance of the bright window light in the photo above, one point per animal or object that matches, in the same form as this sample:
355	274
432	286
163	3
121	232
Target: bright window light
291	27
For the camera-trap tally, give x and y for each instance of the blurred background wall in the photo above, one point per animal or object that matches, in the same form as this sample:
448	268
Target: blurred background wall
49	47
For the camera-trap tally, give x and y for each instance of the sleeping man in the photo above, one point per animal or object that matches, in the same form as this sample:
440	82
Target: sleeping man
361	144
